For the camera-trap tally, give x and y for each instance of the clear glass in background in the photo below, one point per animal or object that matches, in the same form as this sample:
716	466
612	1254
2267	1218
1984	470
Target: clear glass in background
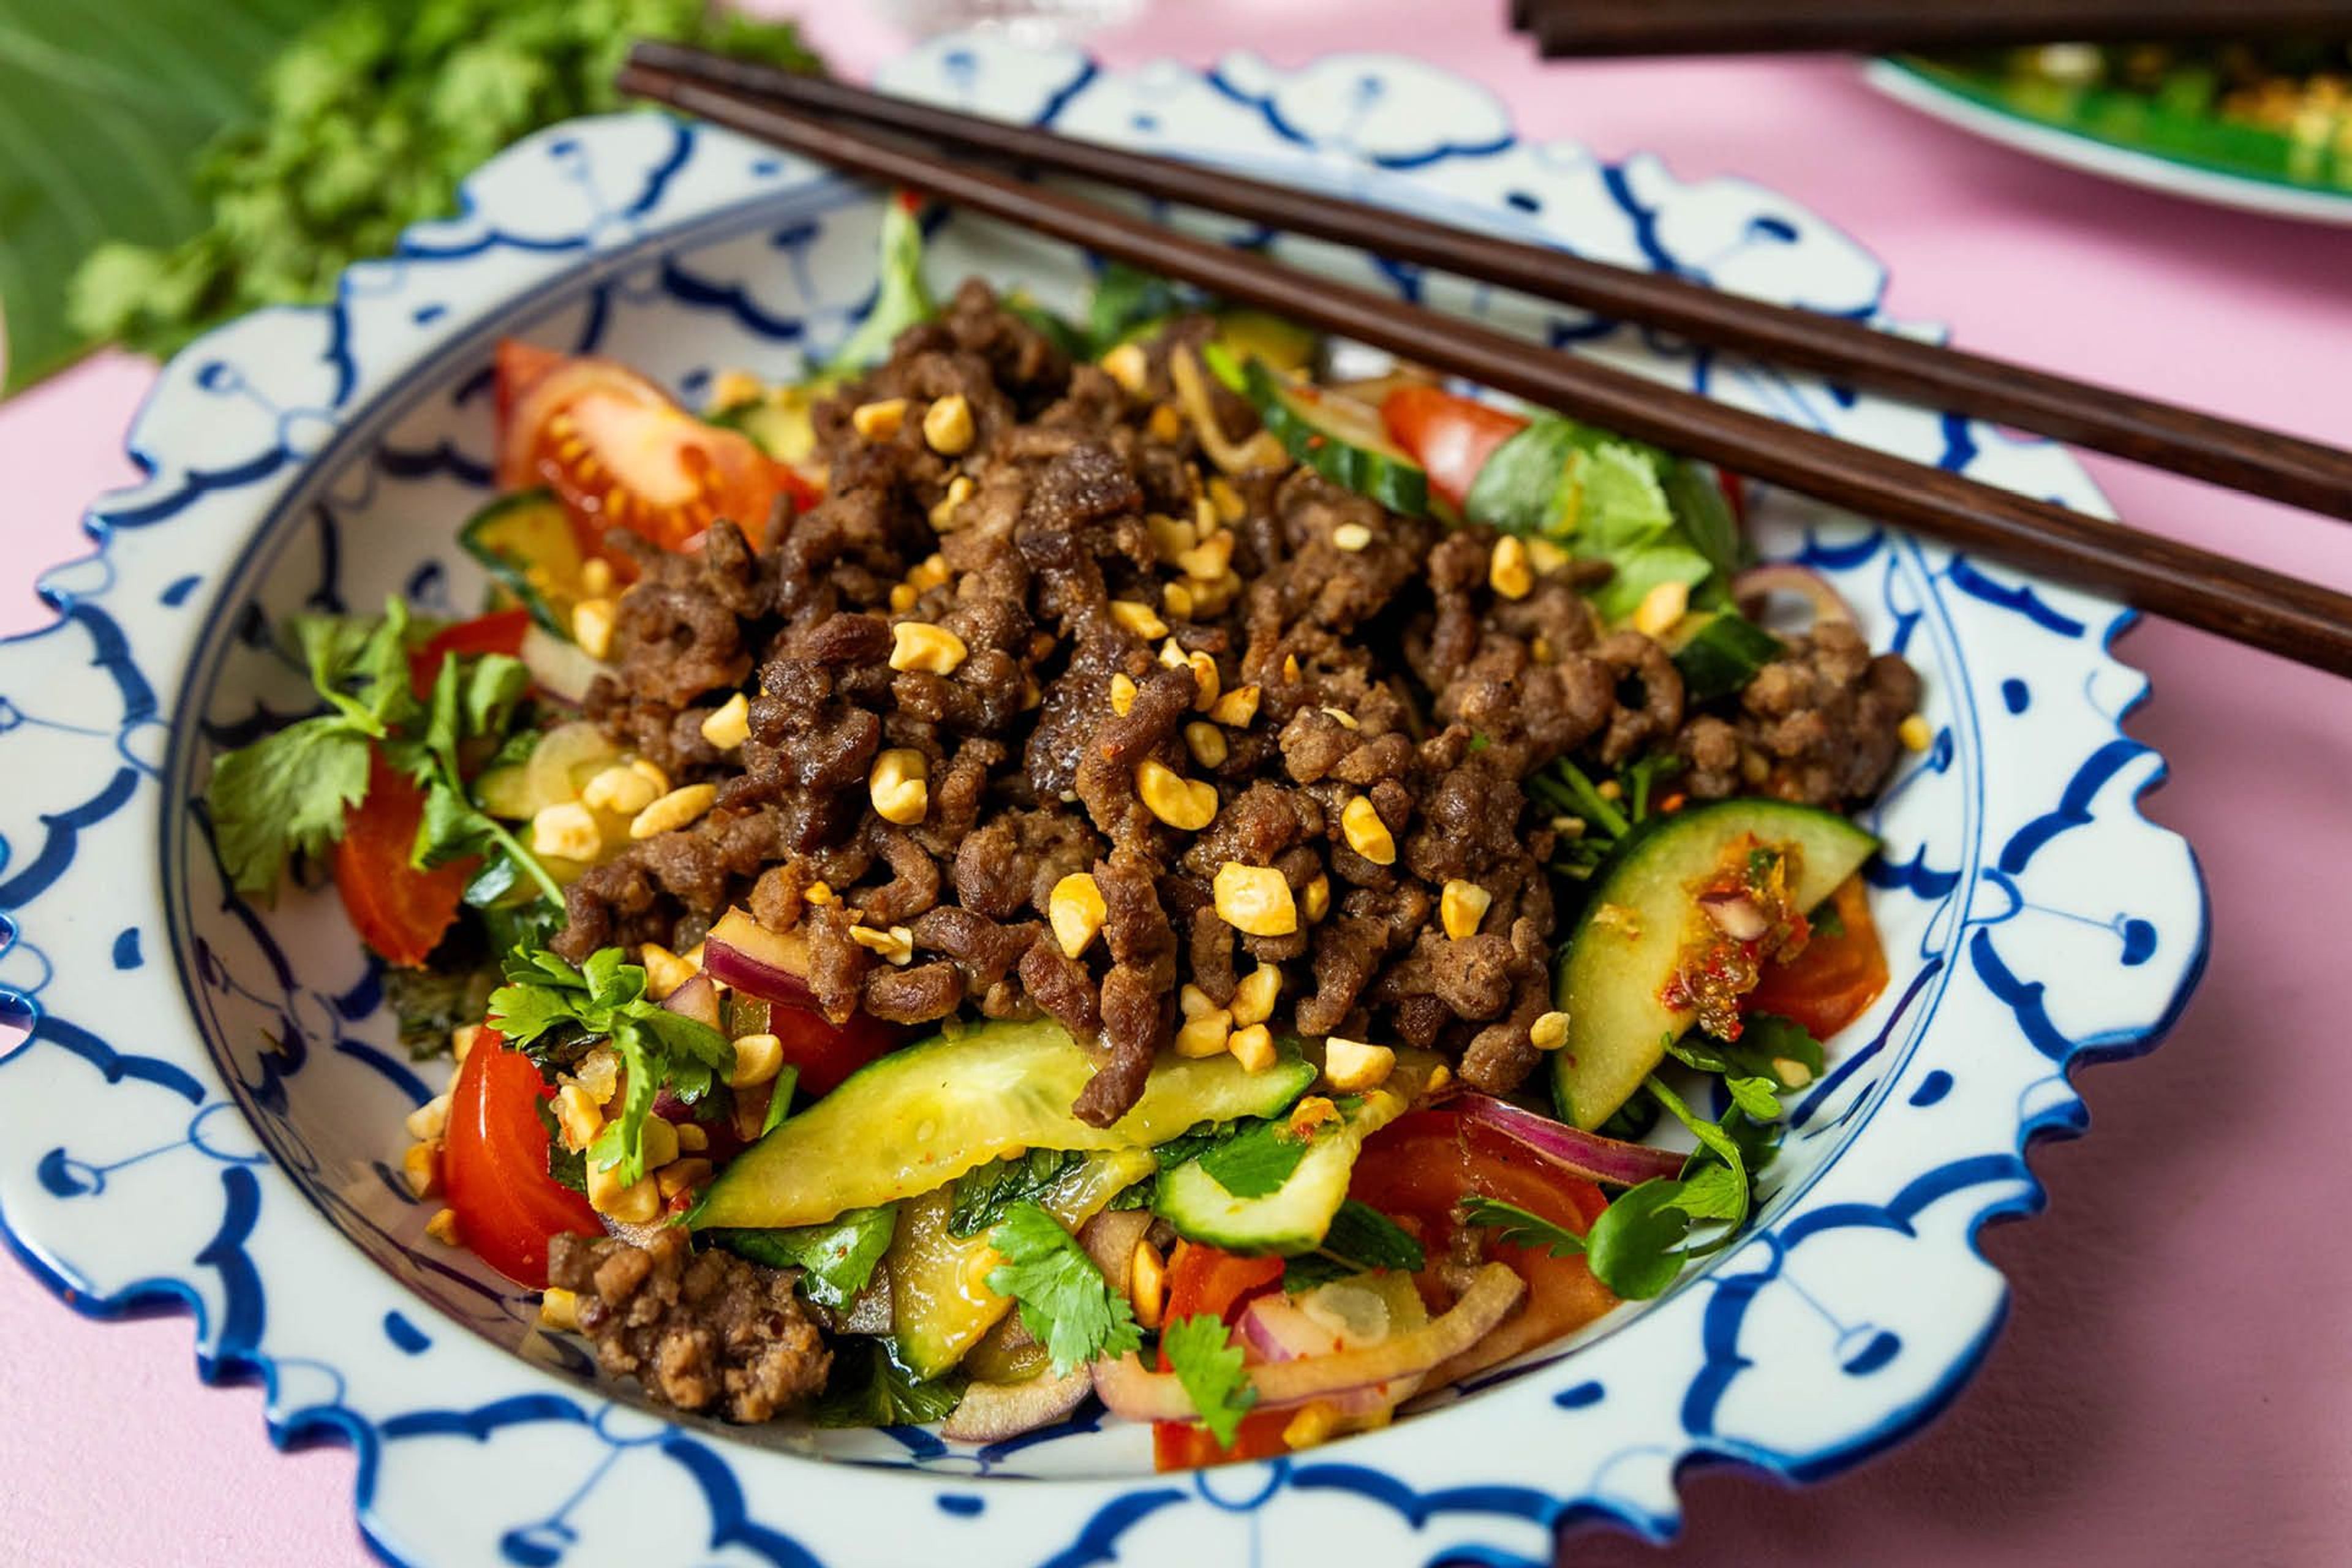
1030	21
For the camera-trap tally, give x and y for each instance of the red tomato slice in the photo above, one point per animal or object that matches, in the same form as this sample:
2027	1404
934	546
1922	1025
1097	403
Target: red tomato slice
617	450
1207	1280
500	631
1835	979
1418	1168
400	911
1450	436
494	1166
827	1052
519	367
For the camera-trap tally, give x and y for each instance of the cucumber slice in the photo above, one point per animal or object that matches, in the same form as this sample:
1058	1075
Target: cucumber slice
1292	1218
1614	970
779	423
920	1117
1338	437
527	543
1721	653
937	1292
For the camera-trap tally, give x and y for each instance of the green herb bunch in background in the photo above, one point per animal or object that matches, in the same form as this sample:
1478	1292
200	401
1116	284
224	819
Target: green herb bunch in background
330	132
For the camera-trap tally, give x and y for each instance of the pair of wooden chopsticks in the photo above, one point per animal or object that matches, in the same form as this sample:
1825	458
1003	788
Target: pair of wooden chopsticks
2244	602
1872	26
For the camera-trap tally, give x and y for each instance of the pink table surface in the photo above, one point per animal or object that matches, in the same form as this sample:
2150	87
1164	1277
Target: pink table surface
2171	1385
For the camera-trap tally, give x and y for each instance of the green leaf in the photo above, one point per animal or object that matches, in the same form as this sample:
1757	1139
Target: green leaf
1705	518
1256	1161
284	795
981	1197
1065	1303
1125	299
867	1387
900	298
1206	1362
1635	1247
96	117
494	686
1522	1227
838	1256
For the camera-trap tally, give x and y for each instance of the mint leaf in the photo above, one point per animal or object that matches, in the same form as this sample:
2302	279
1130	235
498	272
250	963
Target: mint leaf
981	1197
1065	1303
1256	1161
1206	1362
867	1387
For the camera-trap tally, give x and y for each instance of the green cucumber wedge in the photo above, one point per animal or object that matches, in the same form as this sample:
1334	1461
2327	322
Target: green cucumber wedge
1293	1217
1338	438
918	1118
1612	975
526	542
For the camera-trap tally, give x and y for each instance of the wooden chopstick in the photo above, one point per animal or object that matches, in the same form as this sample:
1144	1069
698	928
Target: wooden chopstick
1872	26
2267	463
2246	603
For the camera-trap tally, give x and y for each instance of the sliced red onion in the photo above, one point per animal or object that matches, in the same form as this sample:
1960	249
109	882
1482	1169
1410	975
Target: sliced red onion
1573	1149
1755	589
1735	915
1279	1330
771	965
992	1412
696	999
563	669
1141	1395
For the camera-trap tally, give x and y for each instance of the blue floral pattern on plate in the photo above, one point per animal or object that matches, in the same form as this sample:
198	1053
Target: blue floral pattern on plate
207	1112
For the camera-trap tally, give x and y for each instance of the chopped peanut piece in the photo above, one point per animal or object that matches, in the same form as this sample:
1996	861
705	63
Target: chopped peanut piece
1254	900
918	645
1206	1034
1915	733
1315	898
1147	1283
878	421
665	971
1313	1424
1661	607
947	426
1367	835
421	1166
1255	998
592	627
1165	424
430	1120
757	1059
729	725
1351	1067
1461	907
943	514
1352	537
567	831
1138	617
1207	742
1125	364
1508	572
1550	1031
895	945
558	1312
1179	802
673	811
899	785
443	1228
1228	501
1237	709
1253	1048
1076	910
1122	694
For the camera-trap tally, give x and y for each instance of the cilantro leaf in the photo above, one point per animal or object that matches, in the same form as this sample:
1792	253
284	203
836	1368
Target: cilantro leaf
1759	1097
838	1256
1209	1365
981	1197
546	1003
867	1387
1065	1303
1522	1227
1358	1240
283	795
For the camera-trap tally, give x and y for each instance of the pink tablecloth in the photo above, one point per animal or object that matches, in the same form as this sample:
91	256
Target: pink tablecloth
2171	1385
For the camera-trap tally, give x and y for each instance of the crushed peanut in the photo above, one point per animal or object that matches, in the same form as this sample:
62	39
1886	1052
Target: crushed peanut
1550	1031
665	971
1237	709
1915	733
1138	617
1122	694
567	831
757	1059
895	945
1508	572
1076	910
918	645
1228	501
1366	834
878	421
943	512
1179	802
592	627
1127	366
1254	900
558	1312
673	811
1207	743
443	1228
947	426
1352	1067
1165	424
899	785
1253	1048
421	1167
1315	898
1352	537
1461	906
1661	607
1205	1035
1255	998
729	725
1147	1283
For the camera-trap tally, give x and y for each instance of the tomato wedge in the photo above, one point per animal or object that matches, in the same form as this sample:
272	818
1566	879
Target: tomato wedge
400	911
1417	1169
827	1052
617	450
1208	1279
1449	436
500	631
494	1165
1836	978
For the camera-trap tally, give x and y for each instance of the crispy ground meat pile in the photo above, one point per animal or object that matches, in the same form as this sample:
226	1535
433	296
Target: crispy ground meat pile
703	1331
1102	654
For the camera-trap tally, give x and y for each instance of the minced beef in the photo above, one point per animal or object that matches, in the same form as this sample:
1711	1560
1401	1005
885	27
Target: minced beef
704	1331
1382	663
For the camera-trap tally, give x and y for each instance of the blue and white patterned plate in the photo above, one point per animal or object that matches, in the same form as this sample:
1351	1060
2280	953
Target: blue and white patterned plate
208	1110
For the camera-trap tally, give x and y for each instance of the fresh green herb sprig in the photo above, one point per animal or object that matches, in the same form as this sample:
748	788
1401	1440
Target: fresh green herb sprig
547	1004
1359	1239
471	697
981	1197
838	1257
867	1387
1567	789
1208	1364
1065	1303
368	118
